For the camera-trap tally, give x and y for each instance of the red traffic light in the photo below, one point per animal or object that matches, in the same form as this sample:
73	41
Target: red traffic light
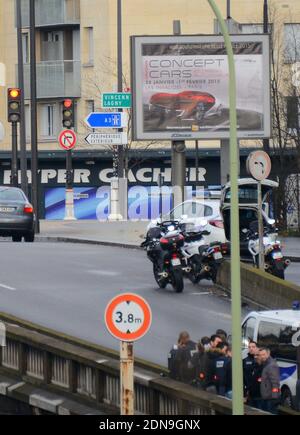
68	104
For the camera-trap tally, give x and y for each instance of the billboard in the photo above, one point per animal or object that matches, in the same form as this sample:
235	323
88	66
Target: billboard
180	87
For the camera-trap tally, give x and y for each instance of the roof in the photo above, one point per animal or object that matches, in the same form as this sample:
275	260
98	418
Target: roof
286	316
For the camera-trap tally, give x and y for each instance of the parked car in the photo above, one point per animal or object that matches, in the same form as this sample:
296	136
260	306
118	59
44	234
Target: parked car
200	213
16	215
279	331
248	209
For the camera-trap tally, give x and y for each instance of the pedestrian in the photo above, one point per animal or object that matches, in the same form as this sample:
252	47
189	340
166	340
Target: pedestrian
200	364
248	365
221	369
221	333
180	358
213	354
254	394
215	340
270	381
205	341
228	374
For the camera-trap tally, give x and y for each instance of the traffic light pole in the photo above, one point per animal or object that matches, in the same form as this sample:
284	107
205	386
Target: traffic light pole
34	144
23	156
69	215
14	156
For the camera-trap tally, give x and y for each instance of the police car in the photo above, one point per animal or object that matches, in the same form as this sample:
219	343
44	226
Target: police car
280	332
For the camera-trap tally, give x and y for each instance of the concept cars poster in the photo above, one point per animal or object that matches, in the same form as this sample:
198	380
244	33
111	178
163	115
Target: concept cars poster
181	87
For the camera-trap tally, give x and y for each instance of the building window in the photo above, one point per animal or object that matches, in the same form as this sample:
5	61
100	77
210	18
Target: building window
48	125
25	45
90	43
292	42
254	28
90	107
293	113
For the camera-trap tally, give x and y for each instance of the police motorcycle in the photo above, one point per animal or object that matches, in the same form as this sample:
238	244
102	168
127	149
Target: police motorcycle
275	263
163	245
200	260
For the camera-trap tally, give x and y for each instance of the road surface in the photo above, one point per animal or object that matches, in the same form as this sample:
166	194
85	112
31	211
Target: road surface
66	287
292	273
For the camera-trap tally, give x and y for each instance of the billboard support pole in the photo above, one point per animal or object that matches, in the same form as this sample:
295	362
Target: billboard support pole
237	368
178	154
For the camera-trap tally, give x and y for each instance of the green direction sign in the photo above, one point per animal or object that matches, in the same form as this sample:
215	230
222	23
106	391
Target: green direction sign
116	100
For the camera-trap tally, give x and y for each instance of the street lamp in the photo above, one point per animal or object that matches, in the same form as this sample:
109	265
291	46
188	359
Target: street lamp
237	368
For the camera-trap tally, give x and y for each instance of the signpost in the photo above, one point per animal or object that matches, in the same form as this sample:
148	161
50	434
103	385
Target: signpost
128	318
67	141
107	120
107	139
259	166
117	100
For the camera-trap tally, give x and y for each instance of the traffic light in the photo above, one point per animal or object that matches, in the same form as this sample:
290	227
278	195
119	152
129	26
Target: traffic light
14	104
68	113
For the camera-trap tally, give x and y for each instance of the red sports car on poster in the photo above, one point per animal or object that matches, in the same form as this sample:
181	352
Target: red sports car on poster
186	105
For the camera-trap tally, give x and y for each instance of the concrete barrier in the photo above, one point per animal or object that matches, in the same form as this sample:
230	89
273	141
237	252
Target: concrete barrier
260	288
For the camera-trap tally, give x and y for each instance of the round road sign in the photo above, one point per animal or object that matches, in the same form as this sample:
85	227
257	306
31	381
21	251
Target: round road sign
259	165
128	317
67	139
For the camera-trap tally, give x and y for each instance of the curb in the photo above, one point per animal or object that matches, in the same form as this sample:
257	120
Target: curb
85	242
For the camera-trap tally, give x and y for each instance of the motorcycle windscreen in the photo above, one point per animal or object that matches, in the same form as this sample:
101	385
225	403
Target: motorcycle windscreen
248	220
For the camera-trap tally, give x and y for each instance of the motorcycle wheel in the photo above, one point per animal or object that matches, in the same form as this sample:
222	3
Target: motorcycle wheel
214	273
161	282
194	276
177	280
278	273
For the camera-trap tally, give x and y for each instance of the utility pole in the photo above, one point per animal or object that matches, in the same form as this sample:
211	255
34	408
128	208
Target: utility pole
34	144
23	156
266	142
178	154
236	304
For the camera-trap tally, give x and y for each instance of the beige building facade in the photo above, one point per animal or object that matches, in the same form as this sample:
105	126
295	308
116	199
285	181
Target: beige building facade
77	49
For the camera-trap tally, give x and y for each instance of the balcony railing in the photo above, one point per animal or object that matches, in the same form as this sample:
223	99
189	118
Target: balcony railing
55	79
52	12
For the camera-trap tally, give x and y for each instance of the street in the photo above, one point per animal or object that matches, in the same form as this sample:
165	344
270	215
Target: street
292	273
66	287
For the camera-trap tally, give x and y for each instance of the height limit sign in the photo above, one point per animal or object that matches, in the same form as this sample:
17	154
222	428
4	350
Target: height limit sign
128	317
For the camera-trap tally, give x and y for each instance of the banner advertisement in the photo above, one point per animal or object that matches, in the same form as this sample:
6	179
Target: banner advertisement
181	83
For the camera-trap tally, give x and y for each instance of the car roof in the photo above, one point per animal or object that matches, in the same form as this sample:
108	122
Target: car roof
286	316
243	181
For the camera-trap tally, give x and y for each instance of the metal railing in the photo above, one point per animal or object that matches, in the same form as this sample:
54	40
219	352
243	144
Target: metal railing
55	79
52	12
54	364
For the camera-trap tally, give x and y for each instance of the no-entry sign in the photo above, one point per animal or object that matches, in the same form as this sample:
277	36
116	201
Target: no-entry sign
67	139
128	317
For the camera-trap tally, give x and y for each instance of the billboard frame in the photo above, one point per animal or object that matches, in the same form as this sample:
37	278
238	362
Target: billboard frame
138	132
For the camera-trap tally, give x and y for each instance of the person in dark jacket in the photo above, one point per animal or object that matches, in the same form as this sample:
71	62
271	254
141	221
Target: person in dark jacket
180	358
253	394
200	364
270	382
212	355
248	365
221	369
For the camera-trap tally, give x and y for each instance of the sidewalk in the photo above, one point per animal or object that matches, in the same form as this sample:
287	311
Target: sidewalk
129	233
124	233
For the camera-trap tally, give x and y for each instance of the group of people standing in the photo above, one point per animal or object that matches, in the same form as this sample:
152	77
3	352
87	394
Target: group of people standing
208	365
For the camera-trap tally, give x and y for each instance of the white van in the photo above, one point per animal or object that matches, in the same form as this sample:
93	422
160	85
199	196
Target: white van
280	332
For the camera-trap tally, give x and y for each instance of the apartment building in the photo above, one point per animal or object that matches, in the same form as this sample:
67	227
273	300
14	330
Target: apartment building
77	48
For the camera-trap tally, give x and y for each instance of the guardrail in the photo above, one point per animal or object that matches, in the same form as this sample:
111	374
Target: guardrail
33	363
